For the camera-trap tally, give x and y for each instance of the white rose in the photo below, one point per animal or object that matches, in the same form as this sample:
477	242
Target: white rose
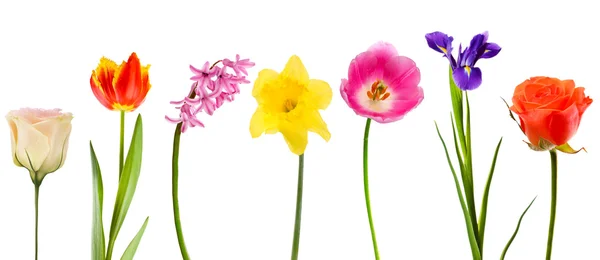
39	139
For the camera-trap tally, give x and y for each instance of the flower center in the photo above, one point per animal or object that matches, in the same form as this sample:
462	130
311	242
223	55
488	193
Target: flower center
378	91
289	105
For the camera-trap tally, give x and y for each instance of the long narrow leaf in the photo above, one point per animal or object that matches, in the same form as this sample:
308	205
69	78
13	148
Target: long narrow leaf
98	243
467	181
516	230
127	184
135	242
472	240
486	193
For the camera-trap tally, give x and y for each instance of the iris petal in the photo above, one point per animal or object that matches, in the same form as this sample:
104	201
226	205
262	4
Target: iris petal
467	78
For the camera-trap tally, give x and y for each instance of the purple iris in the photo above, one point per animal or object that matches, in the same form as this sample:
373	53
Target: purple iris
465	74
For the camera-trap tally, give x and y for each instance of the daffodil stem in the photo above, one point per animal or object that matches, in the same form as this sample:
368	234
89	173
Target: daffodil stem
554	166
121	143
366	183
296	244
37	196
175	190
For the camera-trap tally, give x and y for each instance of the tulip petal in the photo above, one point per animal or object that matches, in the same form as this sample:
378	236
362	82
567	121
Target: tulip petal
101	82
295	136
145	87
294	69
128	81
318	93
99	92
32	146
383	51
401	74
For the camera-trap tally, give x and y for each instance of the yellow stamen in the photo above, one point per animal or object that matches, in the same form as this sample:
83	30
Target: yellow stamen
289	105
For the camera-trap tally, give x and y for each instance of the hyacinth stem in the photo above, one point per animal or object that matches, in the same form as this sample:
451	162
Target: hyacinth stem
37	196
366	184
175	183
554	171
298	219
121	143
175	187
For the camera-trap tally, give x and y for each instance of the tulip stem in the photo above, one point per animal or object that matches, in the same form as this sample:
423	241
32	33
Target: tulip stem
296	244
366	184
175	190
554	166
121	143
37	195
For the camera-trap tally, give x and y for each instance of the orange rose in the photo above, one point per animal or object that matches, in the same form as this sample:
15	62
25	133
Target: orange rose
549	109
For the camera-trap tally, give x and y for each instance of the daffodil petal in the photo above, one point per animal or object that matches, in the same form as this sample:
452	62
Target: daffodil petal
264	76
294	69
295	136
319	93
257	123
262	122
314	123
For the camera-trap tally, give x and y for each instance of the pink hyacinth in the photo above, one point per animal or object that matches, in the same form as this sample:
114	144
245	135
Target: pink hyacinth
381	84
213	85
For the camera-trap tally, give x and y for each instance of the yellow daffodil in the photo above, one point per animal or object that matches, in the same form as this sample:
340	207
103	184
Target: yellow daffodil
289	103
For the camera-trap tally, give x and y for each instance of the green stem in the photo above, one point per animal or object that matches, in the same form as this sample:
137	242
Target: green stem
121	143
296	243
109	251
37	196
175	187
366	184
554	166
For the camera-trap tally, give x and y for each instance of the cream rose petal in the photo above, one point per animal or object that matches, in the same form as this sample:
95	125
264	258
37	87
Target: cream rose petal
32	146
57	130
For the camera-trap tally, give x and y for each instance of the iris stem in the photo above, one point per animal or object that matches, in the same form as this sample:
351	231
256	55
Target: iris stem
37	196
296	243
366	184
121	143
554	171
175	187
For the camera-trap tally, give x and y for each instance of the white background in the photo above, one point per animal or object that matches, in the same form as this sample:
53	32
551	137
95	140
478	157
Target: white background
237	193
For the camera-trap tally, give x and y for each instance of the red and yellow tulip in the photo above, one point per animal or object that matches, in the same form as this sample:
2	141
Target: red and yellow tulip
120	87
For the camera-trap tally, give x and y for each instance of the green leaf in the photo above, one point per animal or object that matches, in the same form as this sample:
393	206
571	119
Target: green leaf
98	243
486	193
127	184
470	231
566	148
135	242
516	230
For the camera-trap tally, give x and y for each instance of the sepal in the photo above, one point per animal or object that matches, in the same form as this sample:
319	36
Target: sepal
543	145
566	148
512	116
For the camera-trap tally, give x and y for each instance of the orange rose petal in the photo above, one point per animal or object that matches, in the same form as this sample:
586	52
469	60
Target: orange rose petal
563	125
